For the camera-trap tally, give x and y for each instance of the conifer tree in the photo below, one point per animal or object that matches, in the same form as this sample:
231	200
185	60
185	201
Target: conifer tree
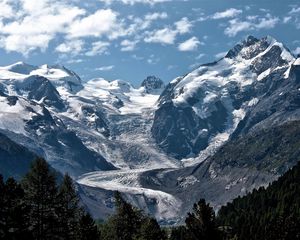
88	229
41	195
2	212
69	212
179	233
16	211
127	220
150	230
201	222
125	224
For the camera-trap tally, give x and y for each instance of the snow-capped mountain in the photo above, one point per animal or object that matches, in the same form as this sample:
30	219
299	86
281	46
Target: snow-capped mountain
158	144
200	111
153	85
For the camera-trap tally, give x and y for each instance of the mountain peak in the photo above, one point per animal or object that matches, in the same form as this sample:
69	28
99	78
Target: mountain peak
152	84
251	47
21	68
297	62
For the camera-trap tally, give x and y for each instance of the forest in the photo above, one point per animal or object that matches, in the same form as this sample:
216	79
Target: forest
42	206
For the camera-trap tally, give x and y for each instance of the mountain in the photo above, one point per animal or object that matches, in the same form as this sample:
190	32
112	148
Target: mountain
153	84
225	122
276	214
217	132
203	109
15	159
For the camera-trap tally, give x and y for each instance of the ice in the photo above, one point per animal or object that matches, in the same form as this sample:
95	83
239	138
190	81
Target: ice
297	62
253	102
167	206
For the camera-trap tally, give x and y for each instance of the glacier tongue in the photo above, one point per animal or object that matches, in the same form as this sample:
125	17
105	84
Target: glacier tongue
166	206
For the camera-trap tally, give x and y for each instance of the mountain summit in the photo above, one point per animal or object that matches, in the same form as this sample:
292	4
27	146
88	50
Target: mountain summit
153	84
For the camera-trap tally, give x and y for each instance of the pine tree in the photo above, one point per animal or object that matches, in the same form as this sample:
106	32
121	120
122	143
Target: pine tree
150	230
41	195
69	212
13	211
128	219
179	233
126	222
87	228
16	212
2	208
201	222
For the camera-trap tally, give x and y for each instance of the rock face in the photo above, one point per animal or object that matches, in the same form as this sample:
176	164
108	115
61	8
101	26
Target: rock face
210	104
15	159
153	84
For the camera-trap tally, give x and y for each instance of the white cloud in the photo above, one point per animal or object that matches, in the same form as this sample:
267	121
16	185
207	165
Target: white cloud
127	45
102	22
72	61
140	24
164	36
132	2
267	23
105	68
189	45
6	10
73	47
294	10
35	23
168	34
153	60
297	51
25	43
156	15
183	26
287	19
201	55
229	13
236	25
98	48
220	55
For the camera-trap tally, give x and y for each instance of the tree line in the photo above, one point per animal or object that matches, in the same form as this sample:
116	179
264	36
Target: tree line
38	207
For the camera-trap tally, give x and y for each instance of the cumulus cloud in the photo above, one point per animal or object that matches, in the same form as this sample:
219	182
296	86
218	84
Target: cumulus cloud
127	45
168	34
132	2
229	13
6	10
201	55
189	45
34	24
183	26
98	48
295	10
105	68
73	47
236	25
297	51
220	55
139	24
102	22
293	17
164	36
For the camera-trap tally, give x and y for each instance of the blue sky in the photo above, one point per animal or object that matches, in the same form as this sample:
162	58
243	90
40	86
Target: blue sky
130	39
